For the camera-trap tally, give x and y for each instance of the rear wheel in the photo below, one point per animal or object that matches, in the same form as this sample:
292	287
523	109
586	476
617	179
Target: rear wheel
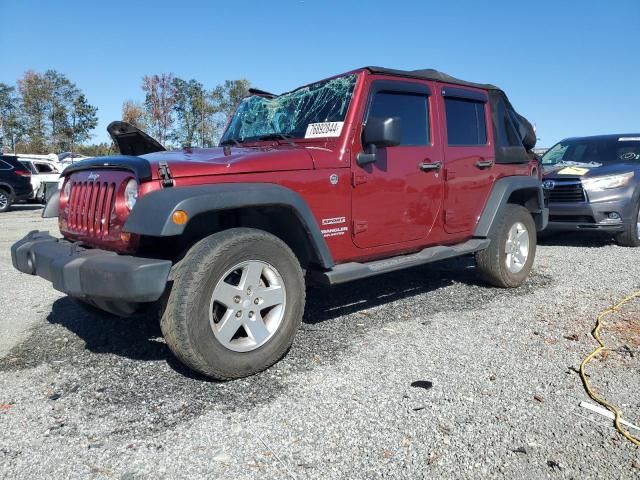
5	200
508	259
631	235
236	303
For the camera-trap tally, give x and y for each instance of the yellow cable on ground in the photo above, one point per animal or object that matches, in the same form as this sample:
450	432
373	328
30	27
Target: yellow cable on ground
596	334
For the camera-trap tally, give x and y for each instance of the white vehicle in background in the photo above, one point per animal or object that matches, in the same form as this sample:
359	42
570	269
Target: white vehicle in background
67	158
44	174
52	157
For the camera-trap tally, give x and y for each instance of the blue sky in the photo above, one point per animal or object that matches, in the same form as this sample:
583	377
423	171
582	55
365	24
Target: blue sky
571	67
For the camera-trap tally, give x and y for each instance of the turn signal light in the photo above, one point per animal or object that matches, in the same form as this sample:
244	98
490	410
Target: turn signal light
179	217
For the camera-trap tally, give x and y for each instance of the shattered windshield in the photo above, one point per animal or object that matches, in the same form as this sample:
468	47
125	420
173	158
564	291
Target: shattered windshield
593	152
317	110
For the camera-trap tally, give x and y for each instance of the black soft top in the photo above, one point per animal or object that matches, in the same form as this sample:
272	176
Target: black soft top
515	136
430	74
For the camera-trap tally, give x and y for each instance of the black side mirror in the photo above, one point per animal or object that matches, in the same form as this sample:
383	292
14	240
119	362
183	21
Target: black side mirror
378	132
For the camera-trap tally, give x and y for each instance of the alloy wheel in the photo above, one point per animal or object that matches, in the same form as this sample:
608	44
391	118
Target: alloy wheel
247	305
517	247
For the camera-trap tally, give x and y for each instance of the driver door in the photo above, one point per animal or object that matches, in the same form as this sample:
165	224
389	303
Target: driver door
398	198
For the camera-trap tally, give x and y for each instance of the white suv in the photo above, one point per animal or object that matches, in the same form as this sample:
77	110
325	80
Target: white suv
43	174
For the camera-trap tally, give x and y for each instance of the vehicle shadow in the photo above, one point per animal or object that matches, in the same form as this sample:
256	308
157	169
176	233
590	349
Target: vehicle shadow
16	207
585	239
136	337
327	303
139	337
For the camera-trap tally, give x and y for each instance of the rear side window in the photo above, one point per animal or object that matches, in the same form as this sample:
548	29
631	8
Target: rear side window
510	131
466	123
28	166
413	111
5	166
44	168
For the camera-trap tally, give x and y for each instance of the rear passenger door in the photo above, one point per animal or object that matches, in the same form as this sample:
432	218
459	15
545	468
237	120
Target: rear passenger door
469	156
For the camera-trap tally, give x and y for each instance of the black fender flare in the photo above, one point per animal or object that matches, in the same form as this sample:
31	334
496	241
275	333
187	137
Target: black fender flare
152	214
502	190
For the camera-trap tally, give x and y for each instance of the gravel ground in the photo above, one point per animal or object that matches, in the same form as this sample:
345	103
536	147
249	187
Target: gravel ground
86	395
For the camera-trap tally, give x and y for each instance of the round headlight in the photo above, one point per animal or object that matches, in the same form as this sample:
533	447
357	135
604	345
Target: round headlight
131	193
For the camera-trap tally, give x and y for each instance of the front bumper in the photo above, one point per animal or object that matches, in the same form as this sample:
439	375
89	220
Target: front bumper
590	215
90	273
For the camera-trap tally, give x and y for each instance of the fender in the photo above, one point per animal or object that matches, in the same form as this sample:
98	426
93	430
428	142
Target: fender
152	213
8	187
499	197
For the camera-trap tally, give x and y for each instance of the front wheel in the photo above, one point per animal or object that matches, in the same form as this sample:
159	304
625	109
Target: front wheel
507	261
5	200
236	303
630	237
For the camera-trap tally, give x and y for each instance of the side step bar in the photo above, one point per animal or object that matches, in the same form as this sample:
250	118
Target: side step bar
346	272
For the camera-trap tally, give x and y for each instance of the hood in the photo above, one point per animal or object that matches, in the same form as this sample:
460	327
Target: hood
131	140
219	161
591	171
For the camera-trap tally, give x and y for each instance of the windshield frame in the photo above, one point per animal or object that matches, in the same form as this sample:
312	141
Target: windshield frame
286	136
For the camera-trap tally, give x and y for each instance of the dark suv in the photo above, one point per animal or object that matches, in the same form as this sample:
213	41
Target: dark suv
593	183
15	181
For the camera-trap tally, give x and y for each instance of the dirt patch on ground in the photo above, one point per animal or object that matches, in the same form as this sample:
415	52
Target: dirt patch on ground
627	329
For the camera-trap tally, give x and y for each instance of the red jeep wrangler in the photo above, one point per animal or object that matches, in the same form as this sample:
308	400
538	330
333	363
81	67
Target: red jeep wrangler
364	173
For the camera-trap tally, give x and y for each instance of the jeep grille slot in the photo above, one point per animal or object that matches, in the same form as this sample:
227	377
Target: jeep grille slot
565	191
90	207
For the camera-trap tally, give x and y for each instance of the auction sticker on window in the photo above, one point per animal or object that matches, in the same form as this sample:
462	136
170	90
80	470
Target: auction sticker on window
325	129
573	171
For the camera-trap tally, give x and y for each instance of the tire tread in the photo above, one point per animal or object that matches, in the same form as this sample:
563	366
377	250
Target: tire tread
191	272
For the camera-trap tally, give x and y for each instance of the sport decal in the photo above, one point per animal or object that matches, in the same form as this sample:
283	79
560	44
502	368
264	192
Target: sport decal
333	221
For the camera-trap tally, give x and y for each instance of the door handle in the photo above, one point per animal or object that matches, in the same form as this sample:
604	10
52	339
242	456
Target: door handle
484	163
428	166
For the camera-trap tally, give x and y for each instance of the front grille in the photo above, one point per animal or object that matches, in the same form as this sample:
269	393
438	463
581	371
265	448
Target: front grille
90	207
567	191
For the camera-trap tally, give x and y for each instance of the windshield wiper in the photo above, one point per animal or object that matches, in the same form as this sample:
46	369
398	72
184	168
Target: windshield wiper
278	136
230	141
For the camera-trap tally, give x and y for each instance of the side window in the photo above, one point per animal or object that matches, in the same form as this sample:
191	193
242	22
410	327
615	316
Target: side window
466	123
513	137
43	168
28	166
413	111
5	166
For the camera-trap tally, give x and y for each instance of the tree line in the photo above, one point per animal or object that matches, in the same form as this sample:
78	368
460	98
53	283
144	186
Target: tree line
183	112
47	112
44	112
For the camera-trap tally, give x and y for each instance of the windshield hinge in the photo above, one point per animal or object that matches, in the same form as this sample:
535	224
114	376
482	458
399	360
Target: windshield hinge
165	175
